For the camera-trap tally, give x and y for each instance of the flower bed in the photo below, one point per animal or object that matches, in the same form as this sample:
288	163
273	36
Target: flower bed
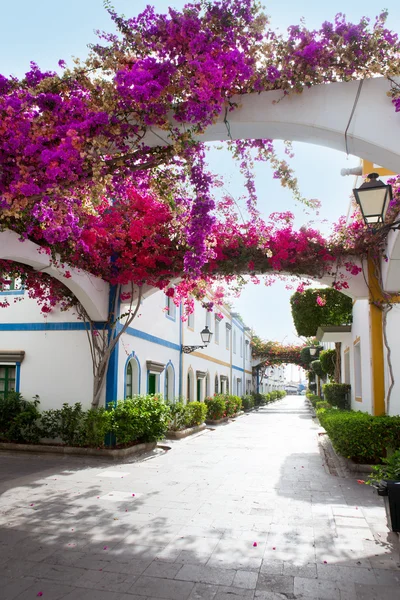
113	453
135	421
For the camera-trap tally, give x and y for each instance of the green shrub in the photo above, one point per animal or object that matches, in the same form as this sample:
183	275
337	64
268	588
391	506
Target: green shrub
322	404
389	470
313	398
177	416
361	436
233	405
216	407
247	402
97	423
16	416
327	359
317	368
19	419
65	423
196	413
337	394
141	418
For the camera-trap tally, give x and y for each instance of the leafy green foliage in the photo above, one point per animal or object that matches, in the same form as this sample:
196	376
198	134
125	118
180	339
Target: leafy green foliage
141	418
196	413
177	416
247	402
317	368
215	407
389	470
19	419
334	309
327	359
361	436
97	422
337	394
233	405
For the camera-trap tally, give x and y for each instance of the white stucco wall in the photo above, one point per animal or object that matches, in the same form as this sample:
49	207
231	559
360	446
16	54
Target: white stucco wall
393	329
360	334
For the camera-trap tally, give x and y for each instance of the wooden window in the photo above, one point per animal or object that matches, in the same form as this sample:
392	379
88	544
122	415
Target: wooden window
7	380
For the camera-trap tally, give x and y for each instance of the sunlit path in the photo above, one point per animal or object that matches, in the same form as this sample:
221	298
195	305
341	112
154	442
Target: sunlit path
243	511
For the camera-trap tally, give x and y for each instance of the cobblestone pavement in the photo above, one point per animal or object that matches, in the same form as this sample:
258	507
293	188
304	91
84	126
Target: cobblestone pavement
244	511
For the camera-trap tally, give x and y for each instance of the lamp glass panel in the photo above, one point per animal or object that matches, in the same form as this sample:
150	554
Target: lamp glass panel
373	202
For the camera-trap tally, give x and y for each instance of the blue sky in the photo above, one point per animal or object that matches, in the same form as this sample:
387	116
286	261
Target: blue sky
46	31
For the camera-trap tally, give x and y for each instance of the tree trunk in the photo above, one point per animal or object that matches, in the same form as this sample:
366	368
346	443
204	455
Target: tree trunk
103	341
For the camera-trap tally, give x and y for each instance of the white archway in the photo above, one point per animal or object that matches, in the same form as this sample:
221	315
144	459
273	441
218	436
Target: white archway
320	115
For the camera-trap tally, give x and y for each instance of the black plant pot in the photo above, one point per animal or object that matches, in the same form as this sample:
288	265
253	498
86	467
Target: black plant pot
391	492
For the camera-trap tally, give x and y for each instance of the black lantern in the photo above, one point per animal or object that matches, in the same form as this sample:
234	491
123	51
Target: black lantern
313	350
206	336
373	198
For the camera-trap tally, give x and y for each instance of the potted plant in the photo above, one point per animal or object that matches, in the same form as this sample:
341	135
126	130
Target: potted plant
385	479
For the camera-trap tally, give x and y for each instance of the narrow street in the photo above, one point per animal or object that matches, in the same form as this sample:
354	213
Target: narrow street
241	511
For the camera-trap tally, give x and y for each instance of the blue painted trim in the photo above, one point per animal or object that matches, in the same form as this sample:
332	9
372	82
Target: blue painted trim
238	368
47	326
130	357
150	338
17	376
12	293
112	371
169	364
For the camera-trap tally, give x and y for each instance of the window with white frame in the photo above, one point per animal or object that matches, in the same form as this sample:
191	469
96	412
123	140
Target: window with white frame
216	325
132	378
171	308
227	335
234	342
190	322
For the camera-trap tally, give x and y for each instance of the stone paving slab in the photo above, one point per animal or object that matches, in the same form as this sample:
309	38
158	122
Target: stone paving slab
248	511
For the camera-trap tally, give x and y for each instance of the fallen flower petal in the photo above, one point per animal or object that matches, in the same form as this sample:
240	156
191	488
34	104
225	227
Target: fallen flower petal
325	562
360	481
255	544
105	548
39	594
133	494
274	548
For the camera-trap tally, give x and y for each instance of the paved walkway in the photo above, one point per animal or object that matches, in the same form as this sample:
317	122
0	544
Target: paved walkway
243	511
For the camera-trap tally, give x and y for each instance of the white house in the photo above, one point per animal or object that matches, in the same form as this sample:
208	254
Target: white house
49	356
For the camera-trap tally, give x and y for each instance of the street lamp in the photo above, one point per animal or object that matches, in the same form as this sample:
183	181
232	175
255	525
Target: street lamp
373	198
206	336
313	350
